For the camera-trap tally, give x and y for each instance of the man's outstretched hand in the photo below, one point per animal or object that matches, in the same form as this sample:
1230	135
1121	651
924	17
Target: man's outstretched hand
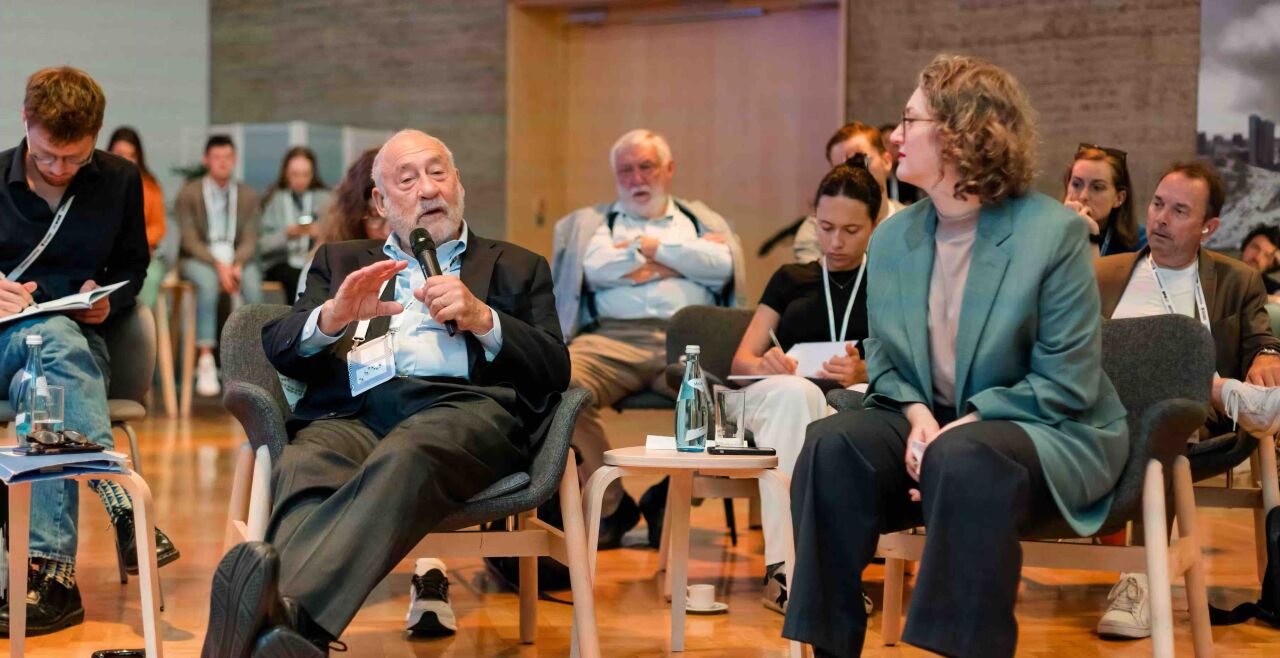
357	297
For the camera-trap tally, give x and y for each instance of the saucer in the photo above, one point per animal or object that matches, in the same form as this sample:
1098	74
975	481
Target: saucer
714	609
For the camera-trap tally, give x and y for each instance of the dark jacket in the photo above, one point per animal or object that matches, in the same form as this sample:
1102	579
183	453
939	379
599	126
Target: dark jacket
1233	294
103	236
526	376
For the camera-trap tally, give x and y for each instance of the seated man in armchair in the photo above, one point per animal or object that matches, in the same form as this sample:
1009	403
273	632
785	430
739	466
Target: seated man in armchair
375	463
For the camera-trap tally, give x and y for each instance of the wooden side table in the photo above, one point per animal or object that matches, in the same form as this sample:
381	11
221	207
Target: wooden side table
681	467
144	540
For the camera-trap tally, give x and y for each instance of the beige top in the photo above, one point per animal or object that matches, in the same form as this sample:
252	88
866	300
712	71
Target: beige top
954	246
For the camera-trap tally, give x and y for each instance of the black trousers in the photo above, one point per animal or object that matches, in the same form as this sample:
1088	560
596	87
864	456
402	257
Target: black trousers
350	505
980	484
287	276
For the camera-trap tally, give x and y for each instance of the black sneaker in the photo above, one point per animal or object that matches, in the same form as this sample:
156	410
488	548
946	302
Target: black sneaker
614	526
653	505
430	614
51	606
126	542
775	588
284	642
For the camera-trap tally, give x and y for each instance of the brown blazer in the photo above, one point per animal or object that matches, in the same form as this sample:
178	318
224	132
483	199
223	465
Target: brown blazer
1233	292
194	222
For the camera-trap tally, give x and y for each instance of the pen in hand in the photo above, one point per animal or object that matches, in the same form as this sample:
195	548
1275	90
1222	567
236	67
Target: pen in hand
774	337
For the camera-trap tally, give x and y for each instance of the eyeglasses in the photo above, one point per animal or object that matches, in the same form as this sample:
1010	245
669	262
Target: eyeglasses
49	160
906	120
1115	153
646	170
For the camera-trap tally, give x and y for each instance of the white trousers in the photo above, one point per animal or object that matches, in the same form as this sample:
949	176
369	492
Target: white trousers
778	411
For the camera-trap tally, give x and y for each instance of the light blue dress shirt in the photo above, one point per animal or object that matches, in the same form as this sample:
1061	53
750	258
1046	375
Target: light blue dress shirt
705	266
423	348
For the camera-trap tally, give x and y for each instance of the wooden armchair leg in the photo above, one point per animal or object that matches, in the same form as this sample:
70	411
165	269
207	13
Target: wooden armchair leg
1157	547
241	484
528	588
585	640
891	607
1264	464
1184	497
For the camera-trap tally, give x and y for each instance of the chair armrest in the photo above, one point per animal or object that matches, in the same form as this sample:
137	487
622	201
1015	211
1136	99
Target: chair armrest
843	399
259	414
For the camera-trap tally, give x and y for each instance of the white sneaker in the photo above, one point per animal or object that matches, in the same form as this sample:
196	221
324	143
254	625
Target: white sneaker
207	377
1255	408
1129	611
430	614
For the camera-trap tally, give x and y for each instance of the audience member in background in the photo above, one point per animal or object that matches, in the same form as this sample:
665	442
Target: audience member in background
852	139
352	215
1175	274
1097	188
621	270
97	236
1260	249
288	221
219	222
368	473
126	143
987	410
899	190
780	407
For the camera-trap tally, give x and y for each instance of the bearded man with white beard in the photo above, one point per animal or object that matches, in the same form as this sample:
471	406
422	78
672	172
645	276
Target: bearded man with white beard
621	271
403	420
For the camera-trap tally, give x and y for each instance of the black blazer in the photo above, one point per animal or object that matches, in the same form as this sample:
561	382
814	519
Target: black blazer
526	376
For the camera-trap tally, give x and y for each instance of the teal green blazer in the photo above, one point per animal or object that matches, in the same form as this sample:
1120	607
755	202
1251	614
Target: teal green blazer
1028	347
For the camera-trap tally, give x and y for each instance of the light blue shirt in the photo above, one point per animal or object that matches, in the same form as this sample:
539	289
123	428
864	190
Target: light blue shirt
705	266
423	348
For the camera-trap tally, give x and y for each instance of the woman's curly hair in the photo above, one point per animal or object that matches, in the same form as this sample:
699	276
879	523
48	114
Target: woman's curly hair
986	127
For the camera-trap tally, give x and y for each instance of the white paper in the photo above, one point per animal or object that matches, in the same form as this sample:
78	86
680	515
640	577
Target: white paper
76	302
657	442
811	356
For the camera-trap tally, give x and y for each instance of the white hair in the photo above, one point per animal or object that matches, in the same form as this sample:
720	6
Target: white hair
640	136
376	171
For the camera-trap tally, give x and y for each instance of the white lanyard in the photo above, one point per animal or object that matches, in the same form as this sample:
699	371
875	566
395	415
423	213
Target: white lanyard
362	327
44	242
1201	307
831	313
228	233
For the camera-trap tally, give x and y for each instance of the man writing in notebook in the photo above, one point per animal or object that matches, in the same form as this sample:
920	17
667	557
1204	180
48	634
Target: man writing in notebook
70	220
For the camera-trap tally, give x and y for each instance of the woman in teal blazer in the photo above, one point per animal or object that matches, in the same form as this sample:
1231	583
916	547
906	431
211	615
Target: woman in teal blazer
987	410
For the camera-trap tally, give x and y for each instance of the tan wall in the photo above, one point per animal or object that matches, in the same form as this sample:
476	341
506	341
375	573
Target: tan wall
436	65
1121	74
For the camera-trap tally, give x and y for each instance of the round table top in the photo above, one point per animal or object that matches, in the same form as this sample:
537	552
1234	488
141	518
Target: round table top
642	457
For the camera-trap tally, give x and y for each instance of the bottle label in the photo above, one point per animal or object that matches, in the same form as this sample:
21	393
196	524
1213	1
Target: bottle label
698	384
695	434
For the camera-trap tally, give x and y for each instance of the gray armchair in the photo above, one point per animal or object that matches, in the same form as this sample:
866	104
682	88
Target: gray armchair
1163	368
253	394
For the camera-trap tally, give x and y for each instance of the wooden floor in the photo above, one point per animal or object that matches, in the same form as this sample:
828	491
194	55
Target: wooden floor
188	464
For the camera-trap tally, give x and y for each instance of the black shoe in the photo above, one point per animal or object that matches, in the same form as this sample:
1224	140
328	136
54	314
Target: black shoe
242	600
51	606
126	542
653	505
289	616
430	614
614	526
284	642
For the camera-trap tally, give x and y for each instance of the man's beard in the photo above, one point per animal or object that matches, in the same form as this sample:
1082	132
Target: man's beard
441	228
650	209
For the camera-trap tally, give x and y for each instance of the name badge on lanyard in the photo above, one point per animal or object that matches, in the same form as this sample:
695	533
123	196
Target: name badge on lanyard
831	313
221	242
1201	308
374	362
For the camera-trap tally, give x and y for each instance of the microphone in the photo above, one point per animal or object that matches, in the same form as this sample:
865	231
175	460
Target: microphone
424	250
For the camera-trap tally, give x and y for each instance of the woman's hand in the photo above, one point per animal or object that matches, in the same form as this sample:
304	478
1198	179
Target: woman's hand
925	433
299	230
848	370
776	362
1083	211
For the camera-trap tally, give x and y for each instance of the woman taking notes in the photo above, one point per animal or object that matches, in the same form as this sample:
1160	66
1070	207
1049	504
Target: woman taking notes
779	407
987	410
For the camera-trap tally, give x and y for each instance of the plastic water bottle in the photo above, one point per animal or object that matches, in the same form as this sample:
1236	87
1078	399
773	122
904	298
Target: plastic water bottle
693	405
32	376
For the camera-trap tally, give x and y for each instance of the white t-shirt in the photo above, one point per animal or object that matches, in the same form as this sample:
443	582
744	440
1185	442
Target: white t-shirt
1141	296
